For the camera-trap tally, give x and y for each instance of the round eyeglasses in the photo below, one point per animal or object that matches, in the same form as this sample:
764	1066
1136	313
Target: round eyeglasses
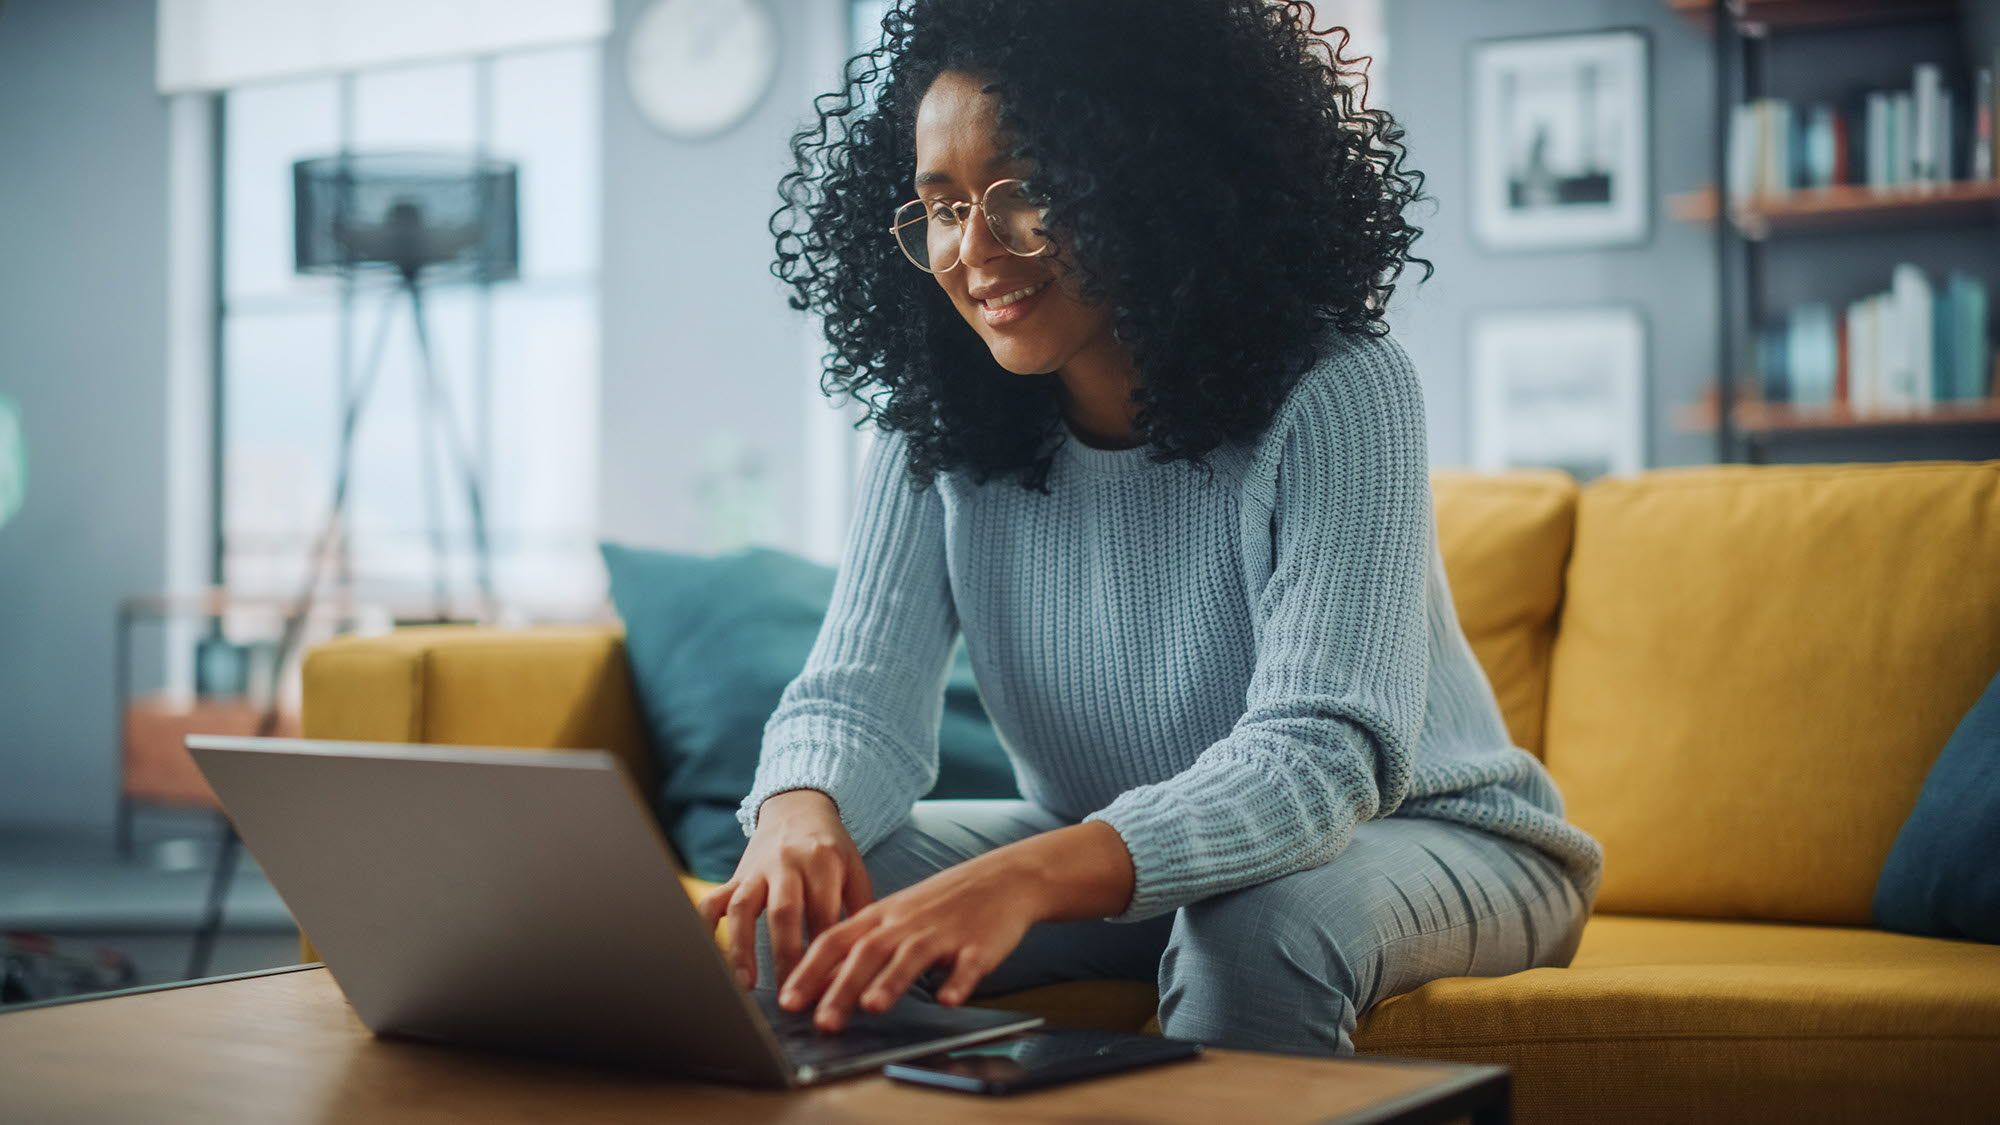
931	231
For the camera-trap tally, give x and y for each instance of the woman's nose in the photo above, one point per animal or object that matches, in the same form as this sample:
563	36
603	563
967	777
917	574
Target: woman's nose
977	243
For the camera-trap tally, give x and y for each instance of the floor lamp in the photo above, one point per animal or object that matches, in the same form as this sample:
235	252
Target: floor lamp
411	221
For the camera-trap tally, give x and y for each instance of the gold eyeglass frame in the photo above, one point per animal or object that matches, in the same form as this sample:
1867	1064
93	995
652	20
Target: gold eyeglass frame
960	208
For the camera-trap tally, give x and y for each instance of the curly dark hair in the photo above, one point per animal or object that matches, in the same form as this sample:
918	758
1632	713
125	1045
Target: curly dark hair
1208	166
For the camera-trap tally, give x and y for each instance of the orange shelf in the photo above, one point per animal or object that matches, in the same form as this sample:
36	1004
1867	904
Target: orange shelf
1766	417
1756	17
1847	206
157	766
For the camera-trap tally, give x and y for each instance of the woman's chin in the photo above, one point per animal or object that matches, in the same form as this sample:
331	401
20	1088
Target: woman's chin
1016	357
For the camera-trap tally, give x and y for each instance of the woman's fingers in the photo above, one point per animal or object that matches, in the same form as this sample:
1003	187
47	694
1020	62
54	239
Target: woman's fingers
823	956
711	905
864	961
966	973
744	906
911	958
783	917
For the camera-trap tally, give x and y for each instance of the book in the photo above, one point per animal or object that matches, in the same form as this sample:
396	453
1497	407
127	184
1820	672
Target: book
1742	152
1944	344
1861	354
1978	353
1817	372
1877	144
1842	332
1982	125
1901	115
1943	164
1773	178
1912	358
1820	144
1925	81
1965	349
1841	173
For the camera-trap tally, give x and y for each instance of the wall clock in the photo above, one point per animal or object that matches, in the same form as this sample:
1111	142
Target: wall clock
695	68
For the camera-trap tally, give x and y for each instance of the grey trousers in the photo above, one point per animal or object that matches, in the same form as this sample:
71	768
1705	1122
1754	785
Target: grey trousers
1286	965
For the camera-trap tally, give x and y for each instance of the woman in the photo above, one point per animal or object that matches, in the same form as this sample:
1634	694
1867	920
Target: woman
1112	276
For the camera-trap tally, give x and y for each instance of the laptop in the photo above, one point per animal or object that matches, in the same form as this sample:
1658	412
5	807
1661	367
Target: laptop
526	901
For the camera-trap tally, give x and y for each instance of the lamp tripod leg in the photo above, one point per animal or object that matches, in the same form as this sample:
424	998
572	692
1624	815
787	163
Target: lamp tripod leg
443	414
427	441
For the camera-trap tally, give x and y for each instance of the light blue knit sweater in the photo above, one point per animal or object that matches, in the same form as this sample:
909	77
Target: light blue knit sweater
1232	672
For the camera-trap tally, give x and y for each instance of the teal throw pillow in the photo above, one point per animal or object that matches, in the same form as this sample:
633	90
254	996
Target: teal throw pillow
713	640
1941	877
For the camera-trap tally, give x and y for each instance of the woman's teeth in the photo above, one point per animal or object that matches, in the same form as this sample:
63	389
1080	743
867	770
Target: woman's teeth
1006	299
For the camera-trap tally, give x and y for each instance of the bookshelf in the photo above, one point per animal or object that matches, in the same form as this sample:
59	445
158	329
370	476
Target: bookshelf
1776	416
1846	207
1746	427
1760	17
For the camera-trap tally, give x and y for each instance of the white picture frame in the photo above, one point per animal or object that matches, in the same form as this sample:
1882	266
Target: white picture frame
1559	388
1560	140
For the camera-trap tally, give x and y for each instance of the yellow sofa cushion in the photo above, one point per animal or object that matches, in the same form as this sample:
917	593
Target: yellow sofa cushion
544	688
1505	538
1674	1019
1755	668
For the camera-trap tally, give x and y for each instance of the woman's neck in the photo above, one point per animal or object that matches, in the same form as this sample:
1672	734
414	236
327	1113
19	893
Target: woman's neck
1097	395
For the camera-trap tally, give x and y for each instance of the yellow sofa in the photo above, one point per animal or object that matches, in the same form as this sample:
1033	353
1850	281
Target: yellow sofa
1738	675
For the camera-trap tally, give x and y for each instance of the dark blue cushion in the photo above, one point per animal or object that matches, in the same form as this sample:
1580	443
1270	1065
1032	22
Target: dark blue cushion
713	641
1942	878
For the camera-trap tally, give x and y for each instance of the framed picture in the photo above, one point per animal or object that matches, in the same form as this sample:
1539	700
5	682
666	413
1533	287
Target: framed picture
1560	140
1561	389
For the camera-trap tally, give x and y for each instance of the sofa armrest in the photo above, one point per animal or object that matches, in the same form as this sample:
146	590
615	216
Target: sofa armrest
536	688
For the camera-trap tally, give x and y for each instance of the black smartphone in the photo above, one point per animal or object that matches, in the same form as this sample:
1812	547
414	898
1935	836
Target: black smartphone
1041	1057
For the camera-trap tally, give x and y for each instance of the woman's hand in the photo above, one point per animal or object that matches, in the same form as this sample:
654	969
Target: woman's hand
800	866
969	916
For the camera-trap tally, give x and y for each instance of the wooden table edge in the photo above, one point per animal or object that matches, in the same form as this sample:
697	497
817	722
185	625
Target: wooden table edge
1480	1093
1476	1091
166	986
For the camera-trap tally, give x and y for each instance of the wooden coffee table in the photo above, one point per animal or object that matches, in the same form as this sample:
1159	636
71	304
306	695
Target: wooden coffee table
283	1045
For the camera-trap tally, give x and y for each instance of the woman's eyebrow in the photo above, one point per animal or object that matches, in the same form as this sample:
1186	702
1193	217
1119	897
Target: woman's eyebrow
994	164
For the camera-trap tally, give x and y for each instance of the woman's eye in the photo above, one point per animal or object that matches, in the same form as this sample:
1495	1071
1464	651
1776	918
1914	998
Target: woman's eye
943	213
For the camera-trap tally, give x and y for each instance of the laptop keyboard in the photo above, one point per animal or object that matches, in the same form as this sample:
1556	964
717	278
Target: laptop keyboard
865	1032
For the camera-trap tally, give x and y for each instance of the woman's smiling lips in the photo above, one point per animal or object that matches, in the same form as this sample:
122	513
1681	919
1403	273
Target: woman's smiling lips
1001	306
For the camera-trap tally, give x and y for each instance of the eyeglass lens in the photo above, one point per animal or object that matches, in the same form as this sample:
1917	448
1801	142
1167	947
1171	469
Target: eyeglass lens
931	232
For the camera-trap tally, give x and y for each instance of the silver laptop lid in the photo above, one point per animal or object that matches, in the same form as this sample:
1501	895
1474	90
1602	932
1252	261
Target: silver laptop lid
517	899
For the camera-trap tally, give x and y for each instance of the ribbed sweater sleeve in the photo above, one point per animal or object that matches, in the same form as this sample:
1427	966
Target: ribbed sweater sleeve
1336	702
860	721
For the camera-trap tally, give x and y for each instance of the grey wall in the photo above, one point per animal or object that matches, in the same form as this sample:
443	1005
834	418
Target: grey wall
698	343
1669	276
83	175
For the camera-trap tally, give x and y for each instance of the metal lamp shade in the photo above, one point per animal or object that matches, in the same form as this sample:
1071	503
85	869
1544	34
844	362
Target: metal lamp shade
446	217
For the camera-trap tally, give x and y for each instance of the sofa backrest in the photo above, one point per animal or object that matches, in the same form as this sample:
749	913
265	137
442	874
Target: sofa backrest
550	687
1505	538
1754	669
